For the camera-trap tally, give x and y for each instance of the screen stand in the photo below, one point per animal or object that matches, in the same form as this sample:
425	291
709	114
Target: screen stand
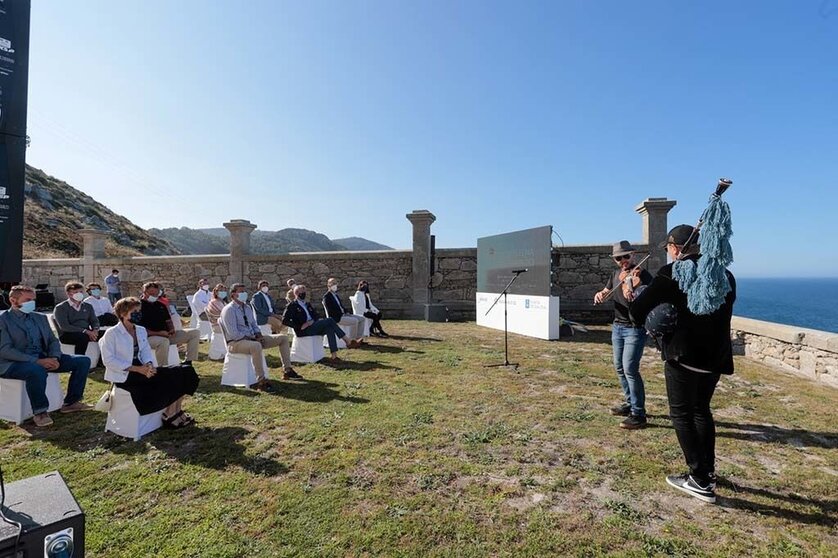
506	362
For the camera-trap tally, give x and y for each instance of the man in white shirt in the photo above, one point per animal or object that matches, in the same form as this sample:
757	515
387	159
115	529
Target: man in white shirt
101	305
201	298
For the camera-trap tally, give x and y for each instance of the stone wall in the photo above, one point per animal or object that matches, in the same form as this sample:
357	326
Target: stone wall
804	352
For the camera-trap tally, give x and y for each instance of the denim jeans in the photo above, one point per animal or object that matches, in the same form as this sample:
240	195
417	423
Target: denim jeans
35	377
628	343
327	327
689	395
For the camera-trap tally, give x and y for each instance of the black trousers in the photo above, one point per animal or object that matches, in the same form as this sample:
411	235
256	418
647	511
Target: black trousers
689	395
376	320
78	339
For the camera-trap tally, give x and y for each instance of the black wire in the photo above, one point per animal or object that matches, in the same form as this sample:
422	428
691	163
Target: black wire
3	514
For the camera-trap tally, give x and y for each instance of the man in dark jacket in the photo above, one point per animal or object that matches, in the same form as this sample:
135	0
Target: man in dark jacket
300	316
696	351
337	311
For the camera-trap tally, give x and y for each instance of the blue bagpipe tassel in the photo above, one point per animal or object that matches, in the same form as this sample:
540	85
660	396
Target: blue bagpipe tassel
706	284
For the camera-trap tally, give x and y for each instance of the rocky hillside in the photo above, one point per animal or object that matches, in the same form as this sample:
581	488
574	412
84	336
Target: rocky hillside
215	241
54	211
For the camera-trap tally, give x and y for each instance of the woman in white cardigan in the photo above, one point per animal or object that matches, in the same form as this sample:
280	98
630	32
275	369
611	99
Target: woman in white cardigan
128	364
363	306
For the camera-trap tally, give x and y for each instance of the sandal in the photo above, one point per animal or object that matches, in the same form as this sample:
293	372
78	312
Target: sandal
178	420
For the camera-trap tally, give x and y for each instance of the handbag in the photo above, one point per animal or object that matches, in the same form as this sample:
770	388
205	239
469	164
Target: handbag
105	402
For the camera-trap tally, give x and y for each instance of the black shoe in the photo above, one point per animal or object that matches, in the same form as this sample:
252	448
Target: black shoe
264	385
381	333
623	410
688	484
291	374
633	422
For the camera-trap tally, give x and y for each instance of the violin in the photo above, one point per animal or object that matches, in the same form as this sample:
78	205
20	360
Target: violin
630	280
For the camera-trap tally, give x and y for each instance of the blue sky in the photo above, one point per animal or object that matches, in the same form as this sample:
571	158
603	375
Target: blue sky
343	116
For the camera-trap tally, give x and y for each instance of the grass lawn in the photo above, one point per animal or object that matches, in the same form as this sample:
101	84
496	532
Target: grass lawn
415	448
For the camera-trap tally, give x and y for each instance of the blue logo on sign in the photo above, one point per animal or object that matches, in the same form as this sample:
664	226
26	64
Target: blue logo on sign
526	303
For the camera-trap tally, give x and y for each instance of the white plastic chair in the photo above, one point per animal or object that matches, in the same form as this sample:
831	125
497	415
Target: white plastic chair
124	419
265	329
217	348
360	312
307	349
92	351
14	401
196	323
238	369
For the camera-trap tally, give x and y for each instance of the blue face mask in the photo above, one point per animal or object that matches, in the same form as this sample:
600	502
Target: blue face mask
95	292
222	294
28	307
136	317
242	297
152	299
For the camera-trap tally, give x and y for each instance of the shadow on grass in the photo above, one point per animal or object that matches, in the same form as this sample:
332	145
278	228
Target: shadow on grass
413	338
389	349
357	365
768	433
592	336
313	391
826	516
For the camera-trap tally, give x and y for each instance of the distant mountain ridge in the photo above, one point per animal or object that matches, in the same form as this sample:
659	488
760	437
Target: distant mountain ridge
215	241
54	211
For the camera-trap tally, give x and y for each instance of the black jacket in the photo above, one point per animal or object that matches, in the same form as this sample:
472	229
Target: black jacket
334	309
294	316
698	341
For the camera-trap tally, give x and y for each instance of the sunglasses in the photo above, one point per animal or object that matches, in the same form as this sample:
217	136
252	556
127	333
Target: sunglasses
623	257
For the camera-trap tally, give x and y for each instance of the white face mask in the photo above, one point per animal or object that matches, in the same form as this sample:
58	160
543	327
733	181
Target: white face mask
264	289
333	288
204	287
78	297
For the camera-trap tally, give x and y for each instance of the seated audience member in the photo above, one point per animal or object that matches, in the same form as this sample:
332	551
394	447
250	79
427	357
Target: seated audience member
200	299
243	337
157	320
128	364
336	311
300	316
216	305
364	305
76	320
265	308
101	305
29	350
289	296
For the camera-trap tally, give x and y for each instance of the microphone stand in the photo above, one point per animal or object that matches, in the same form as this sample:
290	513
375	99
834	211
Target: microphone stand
505	329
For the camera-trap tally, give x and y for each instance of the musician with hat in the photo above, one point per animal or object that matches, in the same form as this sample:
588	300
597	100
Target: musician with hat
693	333
628	338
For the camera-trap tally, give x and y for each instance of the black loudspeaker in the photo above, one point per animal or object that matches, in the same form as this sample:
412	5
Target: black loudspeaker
436	313
44	299
53	523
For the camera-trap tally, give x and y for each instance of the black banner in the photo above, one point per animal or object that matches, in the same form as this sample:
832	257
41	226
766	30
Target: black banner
14	81
499	255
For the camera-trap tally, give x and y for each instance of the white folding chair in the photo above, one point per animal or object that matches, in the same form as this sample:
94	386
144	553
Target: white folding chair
92	352
14	401
238	369
360	312
196	322
124	419
265	329
307	349
217	348
174	356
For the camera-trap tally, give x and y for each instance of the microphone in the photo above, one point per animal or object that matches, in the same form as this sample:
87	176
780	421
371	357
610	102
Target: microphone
520	270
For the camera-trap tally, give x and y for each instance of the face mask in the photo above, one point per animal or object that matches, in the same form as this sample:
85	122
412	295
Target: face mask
301	296
78	297
264	289
365	288
151	299
95	292
222	294
242	297
204	287
115	274
28	307
135	317
333	288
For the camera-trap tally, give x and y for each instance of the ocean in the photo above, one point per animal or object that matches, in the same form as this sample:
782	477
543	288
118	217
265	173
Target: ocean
810	303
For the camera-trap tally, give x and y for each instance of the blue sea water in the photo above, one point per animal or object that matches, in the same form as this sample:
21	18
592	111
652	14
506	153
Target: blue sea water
810	303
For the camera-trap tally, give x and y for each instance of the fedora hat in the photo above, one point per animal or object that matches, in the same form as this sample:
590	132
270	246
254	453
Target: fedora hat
622	248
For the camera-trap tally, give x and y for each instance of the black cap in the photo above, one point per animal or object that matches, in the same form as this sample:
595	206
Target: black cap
679	235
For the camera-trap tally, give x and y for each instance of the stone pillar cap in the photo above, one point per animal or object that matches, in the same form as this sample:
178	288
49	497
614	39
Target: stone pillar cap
239	223
655	203
93	232
421	215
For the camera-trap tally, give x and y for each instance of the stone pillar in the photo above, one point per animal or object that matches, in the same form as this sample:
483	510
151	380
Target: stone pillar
654	212
421	220
240	230
93	248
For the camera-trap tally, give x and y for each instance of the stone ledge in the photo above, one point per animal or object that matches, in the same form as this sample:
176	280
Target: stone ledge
780	332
